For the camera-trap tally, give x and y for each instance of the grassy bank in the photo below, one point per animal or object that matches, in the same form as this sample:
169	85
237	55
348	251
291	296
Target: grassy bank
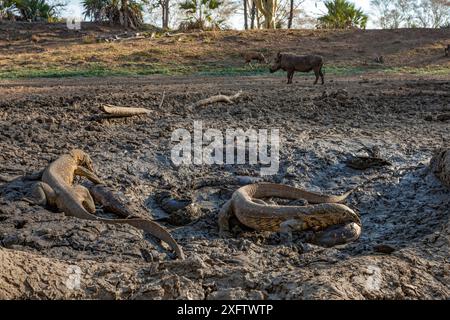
97	70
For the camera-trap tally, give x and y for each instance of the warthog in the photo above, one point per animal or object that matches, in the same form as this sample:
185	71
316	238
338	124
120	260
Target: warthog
249	56
290	62
447	50
379	59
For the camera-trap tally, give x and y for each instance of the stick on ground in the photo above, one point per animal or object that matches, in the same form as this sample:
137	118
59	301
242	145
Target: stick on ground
162	99
113	111
214	99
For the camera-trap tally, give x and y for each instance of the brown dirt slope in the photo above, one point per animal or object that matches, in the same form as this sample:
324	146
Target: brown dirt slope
62	49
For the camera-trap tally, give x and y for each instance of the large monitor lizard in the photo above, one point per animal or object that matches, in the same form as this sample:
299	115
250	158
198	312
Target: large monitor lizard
332	223
57	190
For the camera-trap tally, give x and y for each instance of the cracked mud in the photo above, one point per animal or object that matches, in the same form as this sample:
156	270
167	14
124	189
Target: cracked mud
403	249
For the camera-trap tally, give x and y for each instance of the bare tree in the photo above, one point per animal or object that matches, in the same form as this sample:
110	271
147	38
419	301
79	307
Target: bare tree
382	8
225	12
165	13
245	15
411	13
392	13
258	18
252	15
302	20
268	9
125	13
294	10
291	14
433	13
285	11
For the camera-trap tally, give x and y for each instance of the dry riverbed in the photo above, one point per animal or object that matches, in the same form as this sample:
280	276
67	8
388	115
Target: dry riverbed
403	207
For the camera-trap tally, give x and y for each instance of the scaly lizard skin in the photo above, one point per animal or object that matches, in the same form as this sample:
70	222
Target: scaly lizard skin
332	222
57	190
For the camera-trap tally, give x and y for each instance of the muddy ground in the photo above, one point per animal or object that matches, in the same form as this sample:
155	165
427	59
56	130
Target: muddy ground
402	206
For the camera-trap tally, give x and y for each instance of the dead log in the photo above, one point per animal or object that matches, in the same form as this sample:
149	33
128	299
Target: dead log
131	38
162	99
167	34
214	99
114	111
440	166
7	179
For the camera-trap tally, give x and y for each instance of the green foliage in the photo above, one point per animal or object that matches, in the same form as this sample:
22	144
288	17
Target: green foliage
114	11
342	15
37	10
5	4
6	9
95	9
105	70
200	13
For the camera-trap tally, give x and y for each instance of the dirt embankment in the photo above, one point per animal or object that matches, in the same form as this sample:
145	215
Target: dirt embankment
53	50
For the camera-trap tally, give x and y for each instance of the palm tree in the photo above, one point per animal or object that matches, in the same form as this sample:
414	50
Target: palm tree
35	10
95	9
200	12
127	13
342	15
6	7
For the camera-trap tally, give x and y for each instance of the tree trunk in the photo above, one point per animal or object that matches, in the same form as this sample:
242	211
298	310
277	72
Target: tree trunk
252	15
291	14
267	9
245	15
125	13
258	21
165	14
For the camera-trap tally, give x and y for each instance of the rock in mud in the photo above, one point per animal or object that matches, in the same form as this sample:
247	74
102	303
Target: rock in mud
180	211
440	165
185	216
383	248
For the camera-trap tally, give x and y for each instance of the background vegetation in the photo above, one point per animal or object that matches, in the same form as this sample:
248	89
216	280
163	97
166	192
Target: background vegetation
256	14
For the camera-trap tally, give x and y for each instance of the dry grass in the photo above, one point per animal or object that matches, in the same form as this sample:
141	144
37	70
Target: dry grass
218	51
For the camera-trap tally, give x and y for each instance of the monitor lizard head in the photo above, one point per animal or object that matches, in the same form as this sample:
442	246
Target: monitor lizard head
83	159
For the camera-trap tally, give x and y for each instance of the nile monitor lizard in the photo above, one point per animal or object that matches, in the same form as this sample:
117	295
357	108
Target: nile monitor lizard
57	190
332	223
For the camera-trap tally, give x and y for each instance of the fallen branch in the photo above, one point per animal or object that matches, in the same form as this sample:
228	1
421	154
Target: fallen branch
214	99
113	111
7	179
167	34
162	99
120	37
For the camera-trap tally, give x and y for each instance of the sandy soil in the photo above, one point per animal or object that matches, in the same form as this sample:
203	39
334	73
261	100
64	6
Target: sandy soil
403	205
